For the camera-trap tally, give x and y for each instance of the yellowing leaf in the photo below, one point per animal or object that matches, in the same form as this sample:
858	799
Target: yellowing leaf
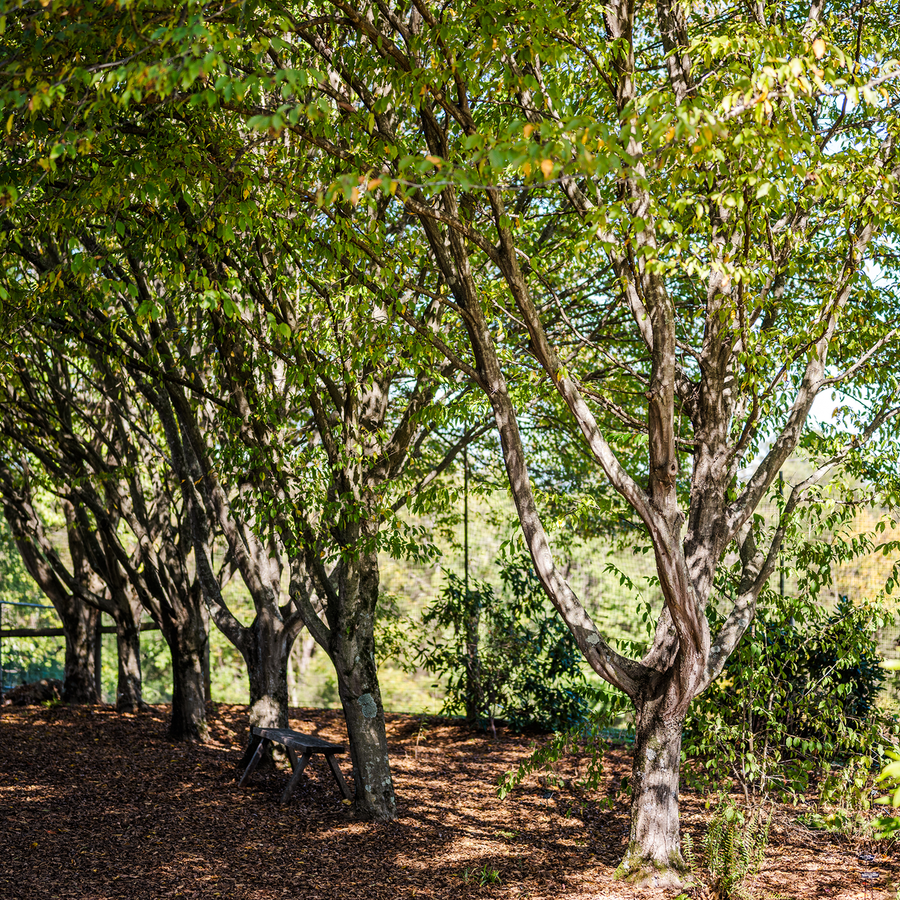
435	160
374	183
528	130
547	168
670	134
818	48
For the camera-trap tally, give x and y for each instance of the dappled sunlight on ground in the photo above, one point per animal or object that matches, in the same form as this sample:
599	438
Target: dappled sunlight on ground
98	806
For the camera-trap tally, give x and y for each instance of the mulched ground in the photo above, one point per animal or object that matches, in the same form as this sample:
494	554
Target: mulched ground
100	806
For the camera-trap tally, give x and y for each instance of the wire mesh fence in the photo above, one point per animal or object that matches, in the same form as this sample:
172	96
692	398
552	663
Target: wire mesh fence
23	659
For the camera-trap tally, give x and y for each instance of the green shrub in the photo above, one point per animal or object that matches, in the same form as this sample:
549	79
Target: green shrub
797	695
889	826
505	656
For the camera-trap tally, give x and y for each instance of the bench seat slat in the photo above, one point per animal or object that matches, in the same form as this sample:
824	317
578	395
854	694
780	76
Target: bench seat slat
297	740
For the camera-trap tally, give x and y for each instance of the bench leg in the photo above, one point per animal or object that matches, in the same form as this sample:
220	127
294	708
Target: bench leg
298	771
335	769
292	756
254	760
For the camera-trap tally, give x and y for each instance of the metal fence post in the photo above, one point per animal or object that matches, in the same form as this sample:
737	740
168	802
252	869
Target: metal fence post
98	657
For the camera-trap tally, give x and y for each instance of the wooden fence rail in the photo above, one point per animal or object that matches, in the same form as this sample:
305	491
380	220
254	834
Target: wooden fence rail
58	632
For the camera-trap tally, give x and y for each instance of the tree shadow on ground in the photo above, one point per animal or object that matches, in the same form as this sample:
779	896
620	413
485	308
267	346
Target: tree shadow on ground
100	806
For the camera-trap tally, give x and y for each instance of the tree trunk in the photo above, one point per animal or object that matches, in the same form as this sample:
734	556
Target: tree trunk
129	697
474	693
188	722
364	713
654	856
267	674
267	664
353	655
185	632
80	623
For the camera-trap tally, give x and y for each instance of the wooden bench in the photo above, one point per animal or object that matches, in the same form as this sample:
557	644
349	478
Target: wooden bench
293	741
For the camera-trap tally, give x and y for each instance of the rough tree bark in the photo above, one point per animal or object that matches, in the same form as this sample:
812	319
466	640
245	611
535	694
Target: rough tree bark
80	623
352	650
266	649
186	635
654	847
654	839
129	681
267	660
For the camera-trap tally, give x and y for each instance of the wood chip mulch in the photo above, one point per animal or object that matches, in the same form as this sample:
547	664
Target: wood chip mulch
100	806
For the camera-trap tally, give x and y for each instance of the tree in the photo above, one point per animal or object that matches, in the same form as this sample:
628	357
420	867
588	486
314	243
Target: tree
270	507
329	431
80	621
676	221
736	301
264	379
94	450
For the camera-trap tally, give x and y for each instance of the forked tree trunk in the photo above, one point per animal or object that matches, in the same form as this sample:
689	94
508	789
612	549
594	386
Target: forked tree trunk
80	623
654	855
353	655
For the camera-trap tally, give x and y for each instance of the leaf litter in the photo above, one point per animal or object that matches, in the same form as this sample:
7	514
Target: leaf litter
97	805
